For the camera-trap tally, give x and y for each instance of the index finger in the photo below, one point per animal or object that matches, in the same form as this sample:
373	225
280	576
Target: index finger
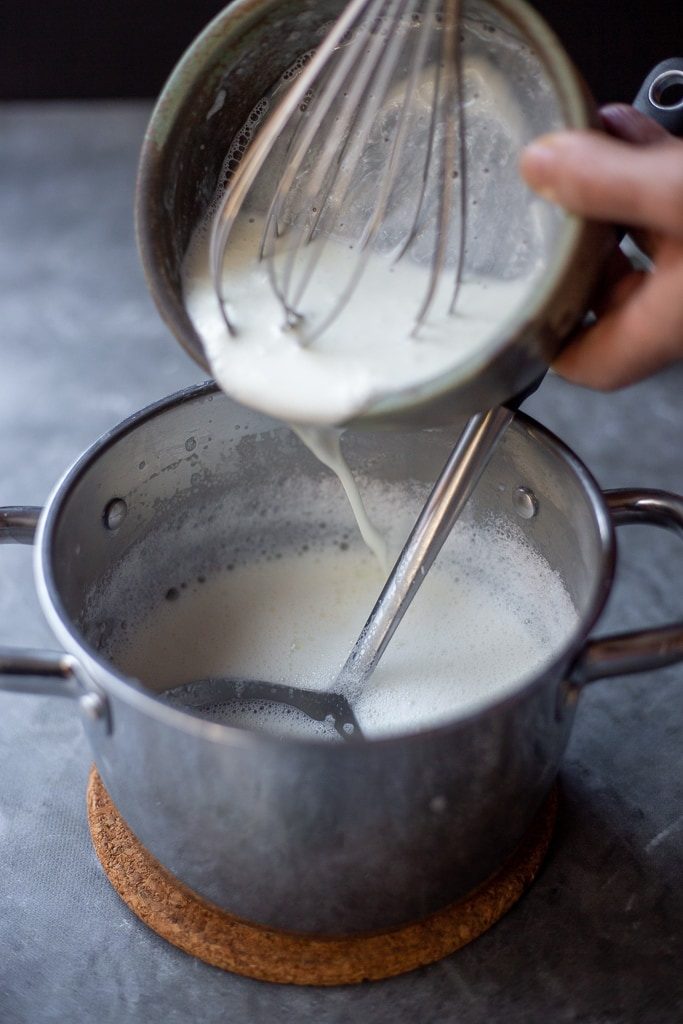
606	179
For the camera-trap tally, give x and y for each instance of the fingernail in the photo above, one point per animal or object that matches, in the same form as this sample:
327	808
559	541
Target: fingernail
624	122
539	166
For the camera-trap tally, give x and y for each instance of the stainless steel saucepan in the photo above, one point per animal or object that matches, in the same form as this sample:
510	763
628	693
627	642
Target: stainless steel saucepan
307	835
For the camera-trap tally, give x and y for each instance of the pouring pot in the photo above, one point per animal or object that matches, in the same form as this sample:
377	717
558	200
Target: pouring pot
292	833
237	60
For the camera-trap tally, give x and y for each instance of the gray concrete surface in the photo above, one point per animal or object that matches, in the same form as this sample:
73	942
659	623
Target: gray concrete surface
598	939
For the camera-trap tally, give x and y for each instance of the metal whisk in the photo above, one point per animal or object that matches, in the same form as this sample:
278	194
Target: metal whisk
370	152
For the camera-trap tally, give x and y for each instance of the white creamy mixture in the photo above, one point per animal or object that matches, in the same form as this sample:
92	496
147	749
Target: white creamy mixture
365	354
324	442
490	613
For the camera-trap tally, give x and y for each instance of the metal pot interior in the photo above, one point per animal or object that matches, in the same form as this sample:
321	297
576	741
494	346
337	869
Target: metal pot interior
197	484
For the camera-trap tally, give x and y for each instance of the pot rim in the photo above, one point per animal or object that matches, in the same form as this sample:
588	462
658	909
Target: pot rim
102	674
578	241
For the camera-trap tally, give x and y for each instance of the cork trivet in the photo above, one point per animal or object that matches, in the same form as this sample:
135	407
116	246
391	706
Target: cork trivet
198	927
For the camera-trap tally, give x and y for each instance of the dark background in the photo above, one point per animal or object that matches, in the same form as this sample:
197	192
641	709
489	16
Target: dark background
68	49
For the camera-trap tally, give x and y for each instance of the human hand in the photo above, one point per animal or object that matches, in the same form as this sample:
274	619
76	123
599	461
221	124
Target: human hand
635	179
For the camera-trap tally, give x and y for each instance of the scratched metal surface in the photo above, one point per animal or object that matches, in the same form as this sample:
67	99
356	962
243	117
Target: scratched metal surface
599	937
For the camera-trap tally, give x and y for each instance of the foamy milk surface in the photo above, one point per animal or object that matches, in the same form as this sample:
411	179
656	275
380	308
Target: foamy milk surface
490	614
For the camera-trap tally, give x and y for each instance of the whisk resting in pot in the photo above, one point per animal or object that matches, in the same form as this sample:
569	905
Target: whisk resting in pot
367	146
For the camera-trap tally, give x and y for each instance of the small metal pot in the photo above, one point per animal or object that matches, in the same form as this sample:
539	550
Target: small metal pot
238	58
295	834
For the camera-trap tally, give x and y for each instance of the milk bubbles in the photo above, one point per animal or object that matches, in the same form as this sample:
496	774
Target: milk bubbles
490	615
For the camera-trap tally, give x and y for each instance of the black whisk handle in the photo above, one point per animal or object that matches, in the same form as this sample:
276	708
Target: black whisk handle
661	95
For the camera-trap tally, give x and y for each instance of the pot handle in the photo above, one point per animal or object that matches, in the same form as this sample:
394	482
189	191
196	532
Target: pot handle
626	653
26	671
660	95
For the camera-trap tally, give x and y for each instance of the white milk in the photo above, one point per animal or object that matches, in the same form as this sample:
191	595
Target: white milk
324	442
370	349
490	614
368	352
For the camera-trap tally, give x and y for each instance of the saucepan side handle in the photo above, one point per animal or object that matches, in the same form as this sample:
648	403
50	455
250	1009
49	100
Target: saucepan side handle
627	653
25	671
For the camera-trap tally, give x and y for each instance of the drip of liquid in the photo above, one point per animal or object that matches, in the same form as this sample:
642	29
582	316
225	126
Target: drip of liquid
324	442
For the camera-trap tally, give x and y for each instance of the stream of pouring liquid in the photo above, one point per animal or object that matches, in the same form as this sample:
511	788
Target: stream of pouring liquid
317	387
325	444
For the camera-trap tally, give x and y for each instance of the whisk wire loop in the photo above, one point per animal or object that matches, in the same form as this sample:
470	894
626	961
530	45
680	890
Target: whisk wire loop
415	224
262	145
461	169
382	73
369	76
332	115
405	119
452	101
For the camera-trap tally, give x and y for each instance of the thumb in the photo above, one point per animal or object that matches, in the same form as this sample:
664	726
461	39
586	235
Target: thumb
610	180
